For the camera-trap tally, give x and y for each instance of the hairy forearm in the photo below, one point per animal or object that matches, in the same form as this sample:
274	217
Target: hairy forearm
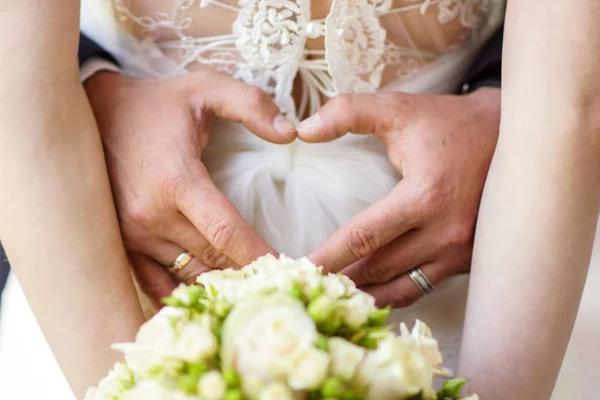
57	219
540	204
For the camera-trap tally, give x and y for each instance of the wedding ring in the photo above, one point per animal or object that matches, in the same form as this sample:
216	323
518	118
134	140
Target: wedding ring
420	280
181	261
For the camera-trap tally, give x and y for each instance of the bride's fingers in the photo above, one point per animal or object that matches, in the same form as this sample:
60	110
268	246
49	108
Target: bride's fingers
402	291
154	280
409	250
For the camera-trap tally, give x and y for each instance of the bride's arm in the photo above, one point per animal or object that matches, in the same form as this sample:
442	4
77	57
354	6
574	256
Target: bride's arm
57	219
540	206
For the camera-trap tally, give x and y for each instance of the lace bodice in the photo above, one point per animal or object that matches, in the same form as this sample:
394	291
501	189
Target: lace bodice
299	51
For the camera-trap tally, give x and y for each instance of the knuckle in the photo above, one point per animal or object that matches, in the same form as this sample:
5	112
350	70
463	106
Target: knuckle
212	257
460	234
363	241
376	273
141	212
258	98
219	233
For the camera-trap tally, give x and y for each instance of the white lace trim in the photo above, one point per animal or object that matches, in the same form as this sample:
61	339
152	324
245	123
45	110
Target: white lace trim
267	44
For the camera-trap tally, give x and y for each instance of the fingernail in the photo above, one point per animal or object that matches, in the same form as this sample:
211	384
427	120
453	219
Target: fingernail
283	126
310	124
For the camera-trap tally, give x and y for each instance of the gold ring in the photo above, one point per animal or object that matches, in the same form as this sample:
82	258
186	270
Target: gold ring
181	261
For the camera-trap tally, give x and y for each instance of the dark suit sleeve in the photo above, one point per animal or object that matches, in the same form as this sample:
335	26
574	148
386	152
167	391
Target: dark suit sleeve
486	71
89	49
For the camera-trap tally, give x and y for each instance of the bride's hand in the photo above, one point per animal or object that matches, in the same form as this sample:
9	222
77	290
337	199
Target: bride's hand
442	145
153	133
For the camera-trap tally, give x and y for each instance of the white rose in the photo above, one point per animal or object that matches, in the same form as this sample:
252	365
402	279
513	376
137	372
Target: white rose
262	333
345	357
111	386
276	391
309	370
153	342
333	286
212	386
357	309
396	369
195	342
150	390
425	341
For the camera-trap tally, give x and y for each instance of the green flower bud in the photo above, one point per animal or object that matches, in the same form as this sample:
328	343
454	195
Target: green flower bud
187	383
332	324
231	378
221	309
316	292
379	317
332	388
197	370
173	302
320	309
322	343
234	394
296	292
196	293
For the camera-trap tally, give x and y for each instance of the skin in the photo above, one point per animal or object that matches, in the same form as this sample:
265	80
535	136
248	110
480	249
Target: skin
442	146
58	223
540	206
543	180
153	133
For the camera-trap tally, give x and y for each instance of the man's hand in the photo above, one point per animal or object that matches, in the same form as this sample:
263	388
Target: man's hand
442	145
153	133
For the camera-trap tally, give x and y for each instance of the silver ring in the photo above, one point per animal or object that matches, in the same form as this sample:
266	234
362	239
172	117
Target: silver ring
421	280
181	261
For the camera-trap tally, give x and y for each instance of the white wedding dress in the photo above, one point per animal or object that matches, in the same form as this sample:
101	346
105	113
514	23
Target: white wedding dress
297	195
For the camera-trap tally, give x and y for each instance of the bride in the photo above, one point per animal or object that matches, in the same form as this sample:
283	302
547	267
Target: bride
537	218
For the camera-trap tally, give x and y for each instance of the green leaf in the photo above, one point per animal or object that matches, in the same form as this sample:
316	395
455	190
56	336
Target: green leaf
451	389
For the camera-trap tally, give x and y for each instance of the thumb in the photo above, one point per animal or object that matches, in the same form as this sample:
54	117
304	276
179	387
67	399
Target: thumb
356	113
237	101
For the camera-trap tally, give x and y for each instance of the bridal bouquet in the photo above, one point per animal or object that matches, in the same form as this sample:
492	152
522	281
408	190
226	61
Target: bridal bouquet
277	329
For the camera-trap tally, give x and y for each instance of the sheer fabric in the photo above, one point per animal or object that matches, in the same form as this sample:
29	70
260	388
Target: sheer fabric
301	53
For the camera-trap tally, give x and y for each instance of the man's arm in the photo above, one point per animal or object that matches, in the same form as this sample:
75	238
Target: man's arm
57	219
